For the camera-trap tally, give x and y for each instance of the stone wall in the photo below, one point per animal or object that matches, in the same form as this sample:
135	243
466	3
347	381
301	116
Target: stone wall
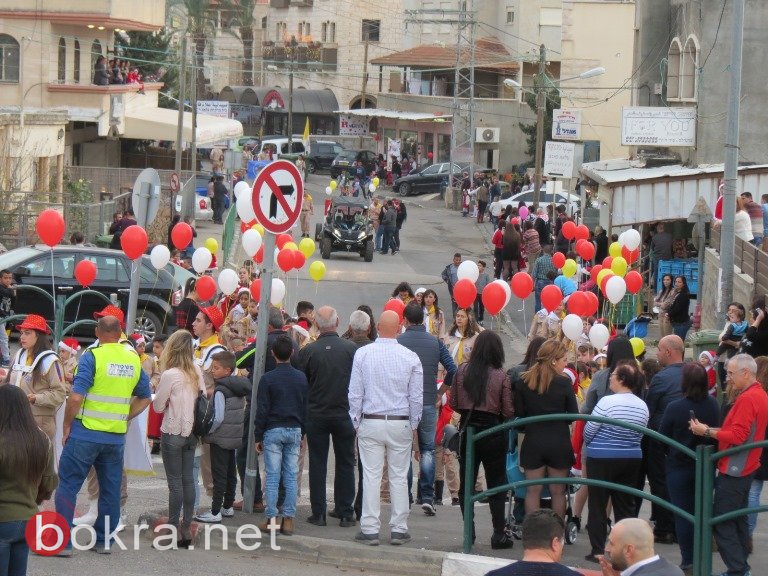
743	289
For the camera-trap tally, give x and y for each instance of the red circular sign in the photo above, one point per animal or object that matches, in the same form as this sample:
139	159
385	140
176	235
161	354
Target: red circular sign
277	196
47	533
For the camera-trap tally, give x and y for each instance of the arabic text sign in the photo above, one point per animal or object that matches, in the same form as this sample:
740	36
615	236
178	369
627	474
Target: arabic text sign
559	158
645	125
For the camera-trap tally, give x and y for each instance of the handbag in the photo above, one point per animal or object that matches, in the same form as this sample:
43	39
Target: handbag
454	441
514	473
203	416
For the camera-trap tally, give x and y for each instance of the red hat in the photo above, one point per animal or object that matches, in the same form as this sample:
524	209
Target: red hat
138	339
34	322
113	311
70	345
213	313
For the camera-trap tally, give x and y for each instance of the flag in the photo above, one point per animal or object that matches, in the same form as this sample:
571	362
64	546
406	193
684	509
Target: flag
305	138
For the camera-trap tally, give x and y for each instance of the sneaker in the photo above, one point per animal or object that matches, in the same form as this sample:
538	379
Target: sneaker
592	558
500	541
209	518
227	512
369	539
399	538
428	509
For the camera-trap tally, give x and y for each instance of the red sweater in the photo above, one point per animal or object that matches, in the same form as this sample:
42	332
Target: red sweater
744	424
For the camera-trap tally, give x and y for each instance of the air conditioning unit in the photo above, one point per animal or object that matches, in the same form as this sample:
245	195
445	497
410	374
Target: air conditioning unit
487	135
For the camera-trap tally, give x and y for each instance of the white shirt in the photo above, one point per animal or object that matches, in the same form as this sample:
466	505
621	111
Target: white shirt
635	567
387	379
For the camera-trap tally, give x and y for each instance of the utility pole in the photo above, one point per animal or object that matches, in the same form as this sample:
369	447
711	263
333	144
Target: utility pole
365	81
180	123
290	110
193	148
731	168
541	108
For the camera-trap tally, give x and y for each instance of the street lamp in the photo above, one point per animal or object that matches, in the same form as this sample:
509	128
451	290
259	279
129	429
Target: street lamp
539	92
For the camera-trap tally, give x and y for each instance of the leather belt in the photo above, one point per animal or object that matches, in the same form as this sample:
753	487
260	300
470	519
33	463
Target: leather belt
385	417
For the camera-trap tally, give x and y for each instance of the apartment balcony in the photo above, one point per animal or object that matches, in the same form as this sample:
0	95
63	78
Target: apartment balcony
312	56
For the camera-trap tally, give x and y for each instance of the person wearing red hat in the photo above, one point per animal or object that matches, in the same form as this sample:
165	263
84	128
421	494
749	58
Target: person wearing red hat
37	370
68	349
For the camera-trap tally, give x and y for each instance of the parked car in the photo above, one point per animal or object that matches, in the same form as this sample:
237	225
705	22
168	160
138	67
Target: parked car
345	161
280	148
321	155
571	201
159	290
431	178
253	141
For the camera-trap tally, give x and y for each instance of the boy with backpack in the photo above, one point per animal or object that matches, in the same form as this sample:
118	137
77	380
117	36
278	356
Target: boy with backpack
225	417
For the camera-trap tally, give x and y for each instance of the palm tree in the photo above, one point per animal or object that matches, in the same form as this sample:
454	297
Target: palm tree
243	11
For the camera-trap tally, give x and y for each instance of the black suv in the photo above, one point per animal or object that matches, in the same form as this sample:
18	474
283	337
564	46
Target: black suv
321	155
159	290
345	162
346	228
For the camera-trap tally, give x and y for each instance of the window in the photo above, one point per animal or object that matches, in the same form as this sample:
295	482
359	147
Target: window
95	53
673	70
63	266
307	32
112	269
332	34
62	68
434	169
76	72
9	59
510	16
324	32
371	30
264	23
689	63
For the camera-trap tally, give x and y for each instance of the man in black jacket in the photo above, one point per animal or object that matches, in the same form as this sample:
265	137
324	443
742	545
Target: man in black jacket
327	363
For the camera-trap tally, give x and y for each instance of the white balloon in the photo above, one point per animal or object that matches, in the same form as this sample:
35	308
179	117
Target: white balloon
599	335
240	187
622	239
468	270
244	205
277	251
228	281
372	187
507	291
615	289
201	259
328	190
278	291
632	239
251	242
160	256
573	327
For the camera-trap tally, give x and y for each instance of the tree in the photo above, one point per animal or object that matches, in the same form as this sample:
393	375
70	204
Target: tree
156	60
552	103
244	13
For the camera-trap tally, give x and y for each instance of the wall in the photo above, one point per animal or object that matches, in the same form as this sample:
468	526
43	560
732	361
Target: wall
743	286
144	11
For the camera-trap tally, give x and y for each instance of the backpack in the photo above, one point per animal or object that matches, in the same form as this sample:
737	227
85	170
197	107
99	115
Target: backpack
203	415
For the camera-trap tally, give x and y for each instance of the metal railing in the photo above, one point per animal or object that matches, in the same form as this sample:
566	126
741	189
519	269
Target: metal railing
704	461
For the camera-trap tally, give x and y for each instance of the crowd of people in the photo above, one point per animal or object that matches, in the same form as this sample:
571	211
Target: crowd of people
115	71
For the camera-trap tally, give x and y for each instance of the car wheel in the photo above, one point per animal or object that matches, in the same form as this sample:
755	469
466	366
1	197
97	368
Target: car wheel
148	325
404	189
368	251
318	232
325	248
311	167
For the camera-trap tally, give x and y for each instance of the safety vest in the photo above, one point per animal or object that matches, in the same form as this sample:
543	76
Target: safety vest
107	404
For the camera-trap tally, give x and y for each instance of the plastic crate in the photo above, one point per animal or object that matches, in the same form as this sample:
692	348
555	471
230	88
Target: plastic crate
688	269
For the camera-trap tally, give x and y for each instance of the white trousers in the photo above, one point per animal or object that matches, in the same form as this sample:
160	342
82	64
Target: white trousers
377	439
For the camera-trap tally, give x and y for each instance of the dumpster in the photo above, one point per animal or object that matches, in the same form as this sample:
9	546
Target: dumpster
703	340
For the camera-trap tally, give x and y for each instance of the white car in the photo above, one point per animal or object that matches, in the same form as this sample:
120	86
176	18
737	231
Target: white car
571	201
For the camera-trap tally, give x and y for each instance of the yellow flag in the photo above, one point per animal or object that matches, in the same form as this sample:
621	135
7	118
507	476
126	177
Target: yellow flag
306	135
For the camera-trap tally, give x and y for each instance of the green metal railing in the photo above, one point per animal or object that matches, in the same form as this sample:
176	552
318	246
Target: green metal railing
704	459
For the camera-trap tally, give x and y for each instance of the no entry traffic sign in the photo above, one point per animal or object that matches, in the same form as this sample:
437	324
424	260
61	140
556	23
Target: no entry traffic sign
277	196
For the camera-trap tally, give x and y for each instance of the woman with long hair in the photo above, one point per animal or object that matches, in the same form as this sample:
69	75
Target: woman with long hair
188	308
404	292
510	252
678	314
532	243
434	318
27	476
482	394
742	225
613	453
620	348
681	469
663	301
497	240
180	384
461	336
37	370
516	372
544	389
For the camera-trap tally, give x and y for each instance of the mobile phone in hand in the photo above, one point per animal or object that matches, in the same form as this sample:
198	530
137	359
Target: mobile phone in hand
691	415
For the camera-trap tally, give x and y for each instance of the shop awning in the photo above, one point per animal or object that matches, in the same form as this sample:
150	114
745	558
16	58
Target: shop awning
396	114
161	124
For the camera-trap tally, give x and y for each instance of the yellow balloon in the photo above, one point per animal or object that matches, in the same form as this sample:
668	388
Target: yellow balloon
375	180
317	270
619	266
290	246
333	184
307	247
259	228
602	274
638	346
569	268
614	249
212	245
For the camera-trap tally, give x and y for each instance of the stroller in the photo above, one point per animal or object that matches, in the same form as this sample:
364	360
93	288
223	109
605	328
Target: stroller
516	503
638	326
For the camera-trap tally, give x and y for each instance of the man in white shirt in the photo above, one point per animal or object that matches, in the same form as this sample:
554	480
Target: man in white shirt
385	405
629	552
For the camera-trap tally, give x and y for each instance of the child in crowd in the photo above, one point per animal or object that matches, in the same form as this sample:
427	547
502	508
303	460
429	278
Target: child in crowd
236	345
601	360
707	359
236	323
226	434
482	281
158	345
68	349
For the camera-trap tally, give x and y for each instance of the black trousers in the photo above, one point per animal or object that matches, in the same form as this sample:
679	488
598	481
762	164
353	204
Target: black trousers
491	452
242	457
498	263
619	471
320	433
664	521
731	493
224	472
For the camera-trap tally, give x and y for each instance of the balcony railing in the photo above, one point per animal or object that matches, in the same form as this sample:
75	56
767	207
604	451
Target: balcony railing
312	56
85	87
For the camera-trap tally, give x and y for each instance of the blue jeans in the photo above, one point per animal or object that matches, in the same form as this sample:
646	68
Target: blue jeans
679	483
76	460
5	353
379	237
539	286
13	548
178	460
754	501
389	240
427	429
281	459
681	329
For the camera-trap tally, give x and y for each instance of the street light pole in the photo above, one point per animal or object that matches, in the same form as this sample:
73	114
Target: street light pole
180	123
541	107
290	110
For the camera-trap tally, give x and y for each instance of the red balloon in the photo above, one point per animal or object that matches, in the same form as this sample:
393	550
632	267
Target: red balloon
464	292
569	229
586	250
181	235
578	303
592	304
205	287
634	281
255	289
85	272
558	259
551	297
259	256
50	227
245	225
285	260
595	271
579	243
298	259
607	261
605	280
582	232
631	256
283	239
515	221
395	305
522	285
134	241
493	298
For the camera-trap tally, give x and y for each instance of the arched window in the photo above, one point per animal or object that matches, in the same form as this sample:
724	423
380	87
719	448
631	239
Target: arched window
689	64
95	53
62	72
10	56
673	70
76	70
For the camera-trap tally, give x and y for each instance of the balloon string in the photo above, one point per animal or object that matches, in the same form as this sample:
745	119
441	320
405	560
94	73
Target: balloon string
53	289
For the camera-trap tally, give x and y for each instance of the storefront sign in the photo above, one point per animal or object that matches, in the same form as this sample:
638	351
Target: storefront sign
645	125
353	125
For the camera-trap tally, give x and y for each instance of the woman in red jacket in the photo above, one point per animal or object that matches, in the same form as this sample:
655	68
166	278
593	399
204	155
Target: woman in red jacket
498	244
